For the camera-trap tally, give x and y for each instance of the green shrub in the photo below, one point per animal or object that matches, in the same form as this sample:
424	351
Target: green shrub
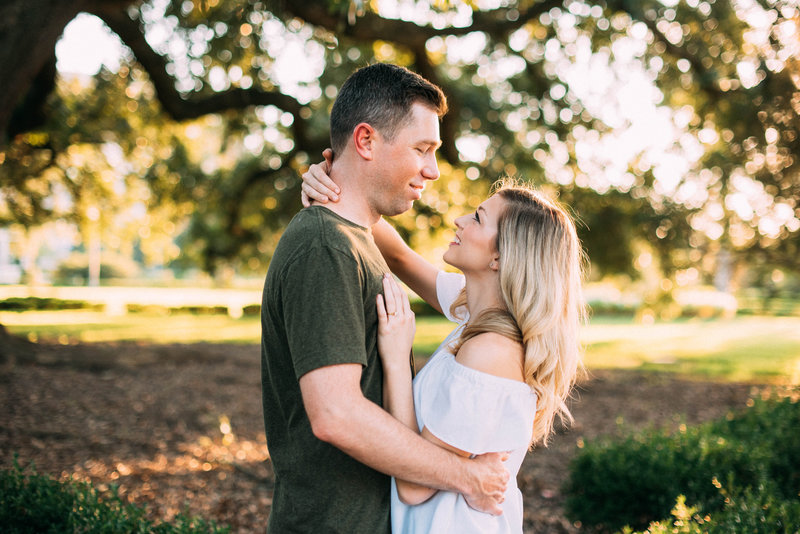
423	309
598	307
637	479
37	303
758	511
251	310
34	503
751	512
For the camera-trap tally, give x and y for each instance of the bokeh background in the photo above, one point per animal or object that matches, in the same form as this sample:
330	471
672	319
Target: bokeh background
150	154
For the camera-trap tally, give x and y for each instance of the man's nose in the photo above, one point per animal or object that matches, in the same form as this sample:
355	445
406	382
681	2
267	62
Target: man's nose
431	169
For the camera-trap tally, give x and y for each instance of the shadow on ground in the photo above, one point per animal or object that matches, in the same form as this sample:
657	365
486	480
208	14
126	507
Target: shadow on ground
179	427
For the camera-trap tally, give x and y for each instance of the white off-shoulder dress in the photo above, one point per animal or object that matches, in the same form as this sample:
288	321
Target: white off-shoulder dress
475	412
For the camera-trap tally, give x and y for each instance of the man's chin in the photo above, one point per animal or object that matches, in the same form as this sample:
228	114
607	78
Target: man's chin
398	209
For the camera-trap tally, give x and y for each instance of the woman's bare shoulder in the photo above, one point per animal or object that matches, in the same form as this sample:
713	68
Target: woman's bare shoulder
493	354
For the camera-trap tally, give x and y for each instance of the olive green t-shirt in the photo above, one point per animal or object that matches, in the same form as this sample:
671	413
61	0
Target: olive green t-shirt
318	309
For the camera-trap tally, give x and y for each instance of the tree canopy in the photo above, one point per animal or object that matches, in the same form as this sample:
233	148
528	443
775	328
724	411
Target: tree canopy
668	125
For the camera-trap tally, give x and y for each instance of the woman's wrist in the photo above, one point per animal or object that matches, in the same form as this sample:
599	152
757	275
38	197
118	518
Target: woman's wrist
397	365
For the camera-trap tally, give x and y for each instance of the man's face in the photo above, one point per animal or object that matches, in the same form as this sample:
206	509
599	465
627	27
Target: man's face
404	164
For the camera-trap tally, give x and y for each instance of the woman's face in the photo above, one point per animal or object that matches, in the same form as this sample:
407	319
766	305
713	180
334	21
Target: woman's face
474	247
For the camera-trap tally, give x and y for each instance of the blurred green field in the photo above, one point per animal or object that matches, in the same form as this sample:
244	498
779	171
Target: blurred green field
751	348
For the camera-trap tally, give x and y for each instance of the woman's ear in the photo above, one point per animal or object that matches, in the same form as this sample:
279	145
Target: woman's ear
364	140
494	265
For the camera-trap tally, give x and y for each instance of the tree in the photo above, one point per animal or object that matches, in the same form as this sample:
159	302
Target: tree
724	73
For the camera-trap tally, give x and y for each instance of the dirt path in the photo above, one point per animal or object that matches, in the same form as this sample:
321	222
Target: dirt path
180	426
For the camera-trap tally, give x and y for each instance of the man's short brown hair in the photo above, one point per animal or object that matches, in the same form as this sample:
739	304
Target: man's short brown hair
380	95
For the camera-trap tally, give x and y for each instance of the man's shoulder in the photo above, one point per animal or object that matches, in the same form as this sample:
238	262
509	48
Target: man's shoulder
317	230
316	219
317	226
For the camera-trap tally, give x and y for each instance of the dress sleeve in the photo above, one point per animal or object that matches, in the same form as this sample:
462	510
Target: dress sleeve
478	412
448	286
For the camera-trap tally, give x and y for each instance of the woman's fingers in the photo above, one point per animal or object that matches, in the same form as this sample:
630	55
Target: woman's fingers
328	155
395	300
389	295
318	186
381	308
398	297
406	305
311	193
322	182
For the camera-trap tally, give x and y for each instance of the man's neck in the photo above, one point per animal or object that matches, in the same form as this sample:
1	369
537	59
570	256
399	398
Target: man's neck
352	204
351	211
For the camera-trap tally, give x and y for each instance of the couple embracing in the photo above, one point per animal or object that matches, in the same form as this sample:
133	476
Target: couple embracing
358	444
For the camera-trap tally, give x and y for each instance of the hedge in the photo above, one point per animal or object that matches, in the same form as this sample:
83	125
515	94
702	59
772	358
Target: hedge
636	479
34	503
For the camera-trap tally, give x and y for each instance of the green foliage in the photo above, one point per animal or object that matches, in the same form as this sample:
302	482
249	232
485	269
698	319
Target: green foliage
758	511
752	511
202	131
636	479
38	303
423	309
74	270
34	503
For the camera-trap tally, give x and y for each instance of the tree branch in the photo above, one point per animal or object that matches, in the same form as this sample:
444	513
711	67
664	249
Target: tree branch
182	108
372	27
705	77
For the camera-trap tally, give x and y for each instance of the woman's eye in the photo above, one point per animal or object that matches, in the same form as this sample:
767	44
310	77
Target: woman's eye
476	217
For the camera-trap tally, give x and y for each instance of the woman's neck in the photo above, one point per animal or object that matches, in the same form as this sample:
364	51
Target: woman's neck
483	293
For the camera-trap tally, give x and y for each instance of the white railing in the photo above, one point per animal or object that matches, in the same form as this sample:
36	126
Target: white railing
117	299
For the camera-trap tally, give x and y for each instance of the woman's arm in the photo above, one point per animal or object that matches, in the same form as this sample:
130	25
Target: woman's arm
396	327
411	493
417	273
395	335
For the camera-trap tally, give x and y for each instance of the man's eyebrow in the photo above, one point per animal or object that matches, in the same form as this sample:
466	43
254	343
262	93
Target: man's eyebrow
437	143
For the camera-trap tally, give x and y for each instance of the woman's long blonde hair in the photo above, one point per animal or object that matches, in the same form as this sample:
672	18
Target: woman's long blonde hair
541	274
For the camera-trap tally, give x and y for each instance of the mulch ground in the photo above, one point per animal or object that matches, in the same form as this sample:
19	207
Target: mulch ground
179	427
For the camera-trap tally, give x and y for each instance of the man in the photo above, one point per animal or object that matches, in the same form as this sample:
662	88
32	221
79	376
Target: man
331	444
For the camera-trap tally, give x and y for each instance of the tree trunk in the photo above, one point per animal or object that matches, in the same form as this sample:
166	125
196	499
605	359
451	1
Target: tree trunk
29	30
723	271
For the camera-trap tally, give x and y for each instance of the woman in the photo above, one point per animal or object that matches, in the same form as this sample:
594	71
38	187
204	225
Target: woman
499	379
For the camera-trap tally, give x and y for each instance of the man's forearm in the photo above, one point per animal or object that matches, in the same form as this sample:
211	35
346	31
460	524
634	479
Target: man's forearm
341	415
375	438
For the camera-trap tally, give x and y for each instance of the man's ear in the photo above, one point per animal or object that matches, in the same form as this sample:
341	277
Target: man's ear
364	137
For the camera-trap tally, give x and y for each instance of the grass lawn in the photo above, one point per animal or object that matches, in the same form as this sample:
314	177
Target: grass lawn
756	348
748	348
89	326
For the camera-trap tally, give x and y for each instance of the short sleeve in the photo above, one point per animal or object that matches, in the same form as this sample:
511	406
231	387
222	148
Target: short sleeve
477	412
323	309
448	286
